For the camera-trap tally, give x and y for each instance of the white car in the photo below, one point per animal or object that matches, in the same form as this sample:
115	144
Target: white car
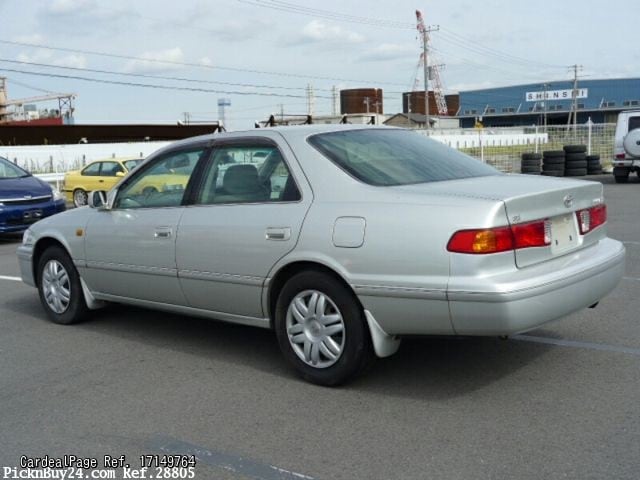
626	148
343	239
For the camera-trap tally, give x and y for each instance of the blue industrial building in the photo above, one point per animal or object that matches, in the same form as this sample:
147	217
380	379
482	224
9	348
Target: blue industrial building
535	103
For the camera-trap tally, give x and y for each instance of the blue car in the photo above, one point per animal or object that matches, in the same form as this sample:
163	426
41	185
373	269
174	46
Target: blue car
24	199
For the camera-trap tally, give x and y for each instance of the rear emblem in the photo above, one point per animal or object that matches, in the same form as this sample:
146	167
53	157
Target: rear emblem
568	201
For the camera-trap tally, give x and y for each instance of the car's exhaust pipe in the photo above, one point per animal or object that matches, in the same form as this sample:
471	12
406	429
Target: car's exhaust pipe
594	305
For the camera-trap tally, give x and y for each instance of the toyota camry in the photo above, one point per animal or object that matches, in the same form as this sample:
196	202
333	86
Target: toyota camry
341	239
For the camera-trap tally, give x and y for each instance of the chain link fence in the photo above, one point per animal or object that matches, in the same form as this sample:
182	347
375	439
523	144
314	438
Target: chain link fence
503	147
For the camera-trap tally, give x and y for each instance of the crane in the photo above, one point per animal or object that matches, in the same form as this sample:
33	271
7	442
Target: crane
434	70
41	98
64	100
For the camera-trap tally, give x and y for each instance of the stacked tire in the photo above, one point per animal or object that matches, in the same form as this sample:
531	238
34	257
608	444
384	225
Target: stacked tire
530	164
553	163
575	160
594	167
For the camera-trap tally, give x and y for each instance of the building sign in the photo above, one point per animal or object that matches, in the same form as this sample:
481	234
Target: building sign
556	95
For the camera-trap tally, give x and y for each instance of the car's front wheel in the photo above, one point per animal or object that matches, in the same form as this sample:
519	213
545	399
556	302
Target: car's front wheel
60	288
321	329
80	197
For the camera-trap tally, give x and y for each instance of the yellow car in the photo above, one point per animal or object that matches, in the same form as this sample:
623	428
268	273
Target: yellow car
100	175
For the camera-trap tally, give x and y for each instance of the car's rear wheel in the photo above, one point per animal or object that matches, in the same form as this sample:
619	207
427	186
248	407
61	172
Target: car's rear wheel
80	197
321	329
60	288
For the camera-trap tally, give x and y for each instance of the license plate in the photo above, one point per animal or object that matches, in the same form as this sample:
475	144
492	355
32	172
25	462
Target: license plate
563	233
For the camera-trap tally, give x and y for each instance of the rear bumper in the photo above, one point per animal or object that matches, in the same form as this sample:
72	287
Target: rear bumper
536	295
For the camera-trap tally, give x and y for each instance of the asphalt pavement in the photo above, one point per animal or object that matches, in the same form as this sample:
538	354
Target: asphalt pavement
559	402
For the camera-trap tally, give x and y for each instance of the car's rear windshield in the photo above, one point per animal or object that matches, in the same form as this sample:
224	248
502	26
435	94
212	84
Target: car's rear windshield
396	157
9	170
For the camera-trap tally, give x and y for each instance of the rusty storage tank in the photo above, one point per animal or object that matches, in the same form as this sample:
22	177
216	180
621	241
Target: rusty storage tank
361	100
413	102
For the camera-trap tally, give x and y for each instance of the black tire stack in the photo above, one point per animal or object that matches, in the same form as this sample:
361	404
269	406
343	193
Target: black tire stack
553	163
575	160
594	167
531	163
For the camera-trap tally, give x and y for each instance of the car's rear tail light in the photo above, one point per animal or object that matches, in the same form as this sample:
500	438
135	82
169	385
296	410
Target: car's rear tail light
501	239
534	234
620	156
490	240
591	218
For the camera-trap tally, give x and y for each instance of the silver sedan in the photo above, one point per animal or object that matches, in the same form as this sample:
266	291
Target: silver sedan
341	239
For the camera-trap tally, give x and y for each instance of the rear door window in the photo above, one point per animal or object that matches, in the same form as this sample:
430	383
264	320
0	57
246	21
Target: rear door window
247	174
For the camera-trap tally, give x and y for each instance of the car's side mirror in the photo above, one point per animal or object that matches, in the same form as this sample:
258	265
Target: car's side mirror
97	199
119	174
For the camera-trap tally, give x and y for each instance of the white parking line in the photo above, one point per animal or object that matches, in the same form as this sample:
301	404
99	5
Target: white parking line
13	279
629	242
631	278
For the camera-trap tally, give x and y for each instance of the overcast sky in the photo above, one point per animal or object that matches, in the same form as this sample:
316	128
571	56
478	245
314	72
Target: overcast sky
262	46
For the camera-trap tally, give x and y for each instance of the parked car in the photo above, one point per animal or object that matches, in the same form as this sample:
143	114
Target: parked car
626	148
99	175
24	199
376	234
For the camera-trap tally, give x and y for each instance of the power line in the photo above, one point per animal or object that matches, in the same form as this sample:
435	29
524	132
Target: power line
473	45
185	64
142	75
154	86
327	14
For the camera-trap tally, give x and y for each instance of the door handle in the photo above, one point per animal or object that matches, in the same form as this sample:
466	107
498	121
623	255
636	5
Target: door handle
163	232
101	181
281	233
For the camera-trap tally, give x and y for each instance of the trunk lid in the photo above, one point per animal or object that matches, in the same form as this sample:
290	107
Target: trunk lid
528	198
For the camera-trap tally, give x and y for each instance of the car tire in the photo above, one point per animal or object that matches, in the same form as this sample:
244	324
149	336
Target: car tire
531	156
621	178
530	169
575	148
553	173
575	172
530	164
553	166
573	164
575	157
553	154
80	197
318	356
553	161
59	287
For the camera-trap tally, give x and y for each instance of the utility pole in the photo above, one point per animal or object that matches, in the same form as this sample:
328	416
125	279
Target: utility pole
424	32
367	102
334	101
282	113
574	96
310	99
545	87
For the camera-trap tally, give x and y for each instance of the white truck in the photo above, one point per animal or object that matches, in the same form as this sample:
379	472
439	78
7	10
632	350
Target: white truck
626	147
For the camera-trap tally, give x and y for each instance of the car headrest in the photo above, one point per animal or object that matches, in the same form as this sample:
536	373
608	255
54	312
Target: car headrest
239	179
